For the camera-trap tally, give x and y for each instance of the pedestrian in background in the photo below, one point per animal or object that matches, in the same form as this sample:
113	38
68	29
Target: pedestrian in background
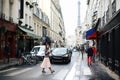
19	53
94	53
82	51
7	52
89	52
46	61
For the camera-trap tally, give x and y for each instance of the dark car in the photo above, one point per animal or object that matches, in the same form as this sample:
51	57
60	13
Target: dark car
60	55
51	49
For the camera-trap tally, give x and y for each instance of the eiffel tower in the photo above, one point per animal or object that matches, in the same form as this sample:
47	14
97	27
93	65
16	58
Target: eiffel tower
79	21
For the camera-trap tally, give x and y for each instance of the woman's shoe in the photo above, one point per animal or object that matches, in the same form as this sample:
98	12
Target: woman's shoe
43	72
52	71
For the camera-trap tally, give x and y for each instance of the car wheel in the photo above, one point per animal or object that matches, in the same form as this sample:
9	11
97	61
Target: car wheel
68	61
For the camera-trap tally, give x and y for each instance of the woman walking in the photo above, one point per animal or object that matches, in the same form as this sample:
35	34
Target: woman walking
46	61
89	52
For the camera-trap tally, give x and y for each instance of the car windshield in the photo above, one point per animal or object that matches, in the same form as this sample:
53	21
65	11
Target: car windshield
42	48
36	49
62	50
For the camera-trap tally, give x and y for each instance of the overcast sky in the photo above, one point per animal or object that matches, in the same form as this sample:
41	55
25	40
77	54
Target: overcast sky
70	14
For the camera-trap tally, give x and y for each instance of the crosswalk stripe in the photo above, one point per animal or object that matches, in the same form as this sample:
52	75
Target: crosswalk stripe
7	70
60	75
18	72
71	74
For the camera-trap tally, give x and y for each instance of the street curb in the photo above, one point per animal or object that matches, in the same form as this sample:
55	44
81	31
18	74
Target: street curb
2	67
111	73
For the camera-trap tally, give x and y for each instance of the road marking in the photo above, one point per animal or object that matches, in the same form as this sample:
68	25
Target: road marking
85	69
71	74
18	72
60	75
7	70
36	74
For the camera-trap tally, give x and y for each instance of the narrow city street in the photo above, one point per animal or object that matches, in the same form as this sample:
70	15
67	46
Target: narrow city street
27	72
76	70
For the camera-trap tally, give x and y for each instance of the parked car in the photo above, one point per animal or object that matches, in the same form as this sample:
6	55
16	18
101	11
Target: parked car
60	55
39	51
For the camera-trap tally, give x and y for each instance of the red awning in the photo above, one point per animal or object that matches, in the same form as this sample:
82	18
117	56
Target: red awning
9	26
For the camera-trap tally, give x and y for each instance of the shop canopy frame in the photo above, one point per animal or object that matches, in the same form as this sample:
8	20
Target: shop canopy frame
30	33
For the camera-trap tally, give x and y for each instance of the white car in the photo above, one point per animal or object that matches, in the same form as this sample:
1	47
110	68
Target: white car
39	51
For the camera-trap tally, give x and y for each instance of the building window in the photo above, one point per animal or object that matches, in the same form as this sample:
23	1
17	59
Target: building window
103	20
37	29
40	14
29	20
113	7
10	9
19	13
44	31
26	18
107	15
44	17
37	12
94	18
1	6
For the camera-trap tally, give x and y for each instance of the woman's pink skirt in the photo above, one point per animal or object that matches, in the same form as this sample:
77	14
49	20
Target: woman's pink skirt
46	63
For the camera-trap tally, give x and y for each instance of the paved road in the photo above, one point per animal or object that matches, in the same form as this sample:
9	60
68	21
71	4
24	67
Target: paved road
27	72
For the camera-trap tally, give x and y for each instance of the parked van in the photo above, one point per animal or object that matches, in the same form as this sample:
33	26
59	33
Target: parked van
39	51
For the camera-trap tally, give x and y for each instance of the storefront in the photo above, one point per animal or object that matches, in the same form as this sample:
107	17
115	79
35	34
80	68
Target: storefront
109	43
7	35
26	39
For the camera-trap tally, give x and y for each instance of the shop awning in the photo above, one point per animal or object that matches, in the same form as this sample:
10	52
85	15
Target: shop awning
30	33
91	34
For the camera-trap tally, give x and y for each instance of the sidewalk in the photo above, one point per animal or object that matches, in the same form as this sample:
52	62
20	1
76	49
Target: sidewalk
96	71
7	65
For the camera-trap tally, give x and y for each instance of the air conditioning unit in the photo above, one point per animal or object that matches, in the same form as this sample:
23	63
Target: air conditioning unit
11	1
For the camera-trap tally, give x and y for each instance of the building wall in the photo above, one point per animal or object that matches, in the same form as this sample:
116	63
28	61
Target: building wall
101	6
28	14
45	6
52	9
109	29
9	18
40	20
10	9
